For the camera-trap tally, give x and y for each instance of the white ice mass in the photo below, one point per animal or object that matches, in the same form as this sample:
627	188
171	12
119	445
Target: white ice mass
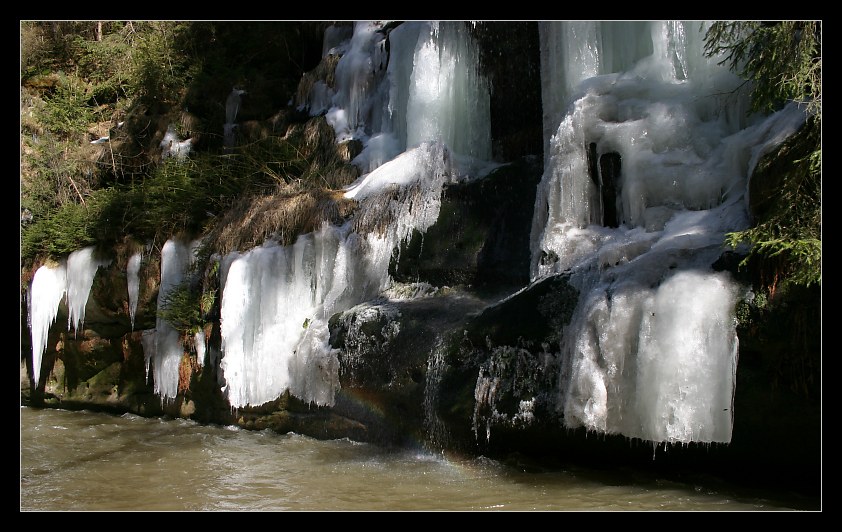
648	149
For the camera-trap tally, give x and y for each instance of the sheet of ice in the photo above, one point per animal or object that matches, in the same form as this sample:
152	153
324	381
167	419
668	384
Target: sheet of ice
271	297
651	350
448	96
429	164
658	364
424	86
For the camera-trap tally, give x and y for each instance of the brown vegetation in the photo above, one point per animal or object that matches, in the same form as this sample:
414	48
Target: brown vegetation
283	216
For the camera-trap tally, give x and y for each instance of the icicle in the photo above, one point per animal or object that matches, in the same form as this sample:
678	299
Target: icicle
133	282
199	341
81	269
49	285
232	107
72	278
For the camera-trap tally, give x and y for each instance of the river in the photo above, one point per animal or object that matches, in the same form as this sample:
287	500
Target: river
88	461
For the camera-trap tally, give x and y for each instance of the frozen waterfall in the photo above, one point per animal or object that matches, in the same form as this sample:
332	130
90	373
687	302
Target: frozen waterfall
422	115
648	149
647	159
428	87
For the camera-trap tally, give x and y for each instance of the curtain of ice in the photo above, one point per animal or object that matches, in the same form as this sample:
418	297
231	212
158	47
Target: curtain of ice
276	300
448	97
270	296
427	87
651	350
72	278
412	108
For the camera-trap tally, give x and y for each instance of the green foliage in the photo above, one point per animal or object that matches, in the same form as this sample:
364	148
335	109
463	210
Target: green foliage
66	111
181	195
49	46
785	240
804	254
182	307
160	66
188	305
104	65
782	60
81	76
87	72
50	184
67	230
61	67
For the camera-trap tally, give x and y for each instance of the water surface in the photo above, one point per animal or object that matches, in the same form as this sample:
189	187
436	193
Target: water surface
85	461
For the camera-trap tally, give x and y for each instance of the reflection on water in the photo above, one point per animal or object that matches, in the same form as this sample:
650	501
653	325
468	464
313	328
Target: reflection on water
83	461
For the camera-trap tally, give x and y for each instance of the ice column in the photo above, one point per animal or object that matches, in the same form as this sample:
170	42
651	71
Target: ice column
48	288
176	257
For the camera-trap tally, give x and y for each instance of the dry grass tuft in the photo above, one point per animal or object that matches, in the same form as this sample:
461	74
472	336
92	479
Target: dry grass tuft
281	216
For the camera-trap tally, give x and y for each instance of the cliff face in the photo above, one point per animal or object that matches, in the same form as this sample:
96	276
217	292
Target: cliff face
457	368
481	241
477	252
470	362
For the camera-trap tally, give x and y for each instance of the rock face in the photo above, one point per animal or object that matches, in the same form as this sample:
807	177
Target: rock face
479	247
469	367
481	238
467	364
